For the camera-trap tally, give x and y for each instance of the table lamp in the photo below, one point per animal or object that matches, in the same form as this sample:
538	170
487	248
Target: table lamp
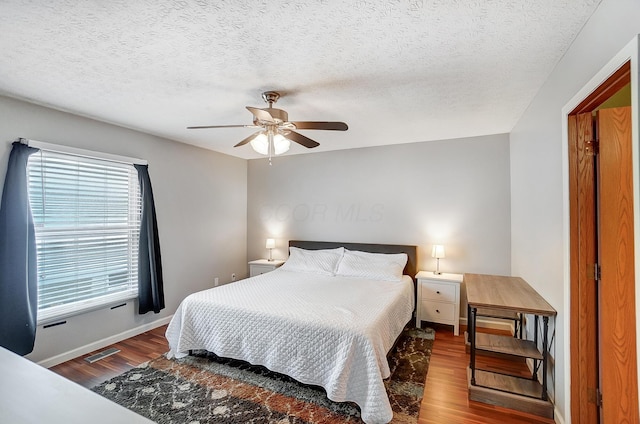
271	244
437	252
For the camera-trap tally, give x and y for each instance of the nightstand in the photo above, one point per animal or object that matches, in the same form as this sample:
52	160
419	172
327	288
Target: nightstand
262	266
439	299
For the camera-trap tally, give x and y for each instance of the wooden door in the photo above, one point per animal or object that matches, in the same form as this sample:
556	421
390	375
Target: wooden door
617	316
584	378
602	308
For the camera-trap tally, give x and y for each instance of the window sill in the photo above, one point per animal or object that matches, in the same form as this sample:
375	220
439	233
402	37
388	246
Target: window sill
57	313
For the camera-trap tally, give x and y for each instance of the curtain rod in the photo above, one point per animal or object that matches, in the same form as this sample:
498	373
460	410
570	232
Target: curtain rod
81	152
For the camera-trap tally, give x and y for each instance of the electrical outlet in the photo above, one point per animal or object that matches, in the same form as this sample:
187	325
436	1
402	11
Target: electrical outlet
216	281
233	277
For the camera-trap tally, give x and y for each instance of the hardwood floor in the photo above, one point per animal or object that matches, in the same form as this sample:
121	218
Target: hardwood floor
445	395
133	352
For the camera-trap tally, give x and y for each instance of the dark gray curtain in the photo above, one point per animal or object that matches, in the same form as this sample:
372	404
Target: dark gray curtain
18	272
150	285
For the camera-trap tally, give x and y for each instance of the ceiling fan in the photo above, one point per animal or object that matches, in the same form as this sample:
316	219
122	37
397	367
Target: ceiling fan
276	131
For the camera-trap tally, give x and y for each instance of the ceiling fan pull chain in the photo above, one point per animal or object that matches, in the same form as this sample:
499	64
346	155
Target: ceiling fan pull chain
271	147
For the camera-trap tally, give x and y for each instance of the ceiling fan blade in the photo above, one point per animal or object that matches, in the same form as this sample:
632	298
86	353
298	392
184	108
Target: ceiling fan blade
248	139
320	125
261	114
301	139
222	126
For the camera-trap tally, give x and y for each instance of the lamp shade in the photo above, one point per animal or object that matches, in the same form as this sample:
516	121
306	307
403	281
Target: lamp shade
271	244
260	144
438	251
280	144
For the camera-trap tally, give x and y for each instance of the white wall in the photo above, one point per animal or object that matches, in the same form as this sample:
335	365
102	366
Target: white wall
200	204
537	230
452	192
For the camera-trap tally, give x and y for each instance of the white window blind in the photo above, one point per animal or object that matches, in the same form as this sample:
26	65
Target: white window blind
86	213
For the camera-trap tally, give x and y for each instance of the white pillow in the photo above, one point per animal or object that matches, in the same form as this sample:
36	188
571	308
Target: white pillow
324	261
376	266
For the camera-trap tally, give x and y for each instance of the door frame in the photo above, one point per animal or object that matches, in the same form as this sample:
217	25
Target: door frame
630	53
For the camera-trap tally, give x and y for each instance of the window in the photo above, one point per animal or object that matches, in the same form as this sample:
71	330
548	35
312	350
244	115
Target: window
86	213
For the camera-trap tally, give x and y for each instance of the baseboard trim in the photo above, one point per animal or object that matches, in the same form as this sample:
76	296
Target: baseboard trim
99	344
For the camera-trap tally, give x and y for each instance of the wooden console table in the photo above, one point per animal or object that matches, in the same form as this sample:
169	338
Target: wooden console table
510	294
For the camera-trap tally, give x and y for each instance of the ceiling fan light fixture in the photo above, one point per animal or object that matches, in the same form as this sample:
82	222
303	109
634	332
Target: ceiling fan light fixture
280	144
261	144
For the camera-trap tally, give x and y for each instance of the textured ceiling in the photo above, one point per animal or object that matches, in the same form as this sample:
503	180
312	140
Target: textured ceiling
395	71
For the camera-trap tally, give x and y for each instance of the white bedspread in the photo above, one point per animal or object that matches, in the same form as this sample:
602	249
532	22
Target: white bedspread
329	331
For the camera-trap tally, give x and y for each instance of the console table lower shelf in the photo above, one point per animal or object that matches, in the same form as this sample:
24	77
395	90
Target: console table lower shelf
521	394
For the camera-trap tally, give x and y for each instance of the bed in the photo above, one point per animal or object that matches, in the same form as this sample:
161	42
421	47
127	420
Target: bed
330	327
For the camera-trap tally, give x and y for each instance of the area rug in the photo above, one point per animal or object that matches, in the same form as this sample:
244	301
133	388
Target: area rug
204	388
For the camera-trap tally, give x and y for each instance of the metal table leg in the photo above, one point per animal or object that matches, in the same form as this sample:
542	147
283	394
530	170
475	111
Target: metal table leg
472	340
545	356
535	340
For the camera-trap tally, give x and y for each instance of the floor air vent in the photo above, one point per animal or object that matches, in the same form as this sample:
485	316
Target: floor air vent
101	355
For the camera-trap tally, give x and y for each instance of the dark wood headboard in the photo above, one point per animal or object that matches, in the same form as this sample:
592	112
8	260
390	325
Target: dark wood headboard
412	251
